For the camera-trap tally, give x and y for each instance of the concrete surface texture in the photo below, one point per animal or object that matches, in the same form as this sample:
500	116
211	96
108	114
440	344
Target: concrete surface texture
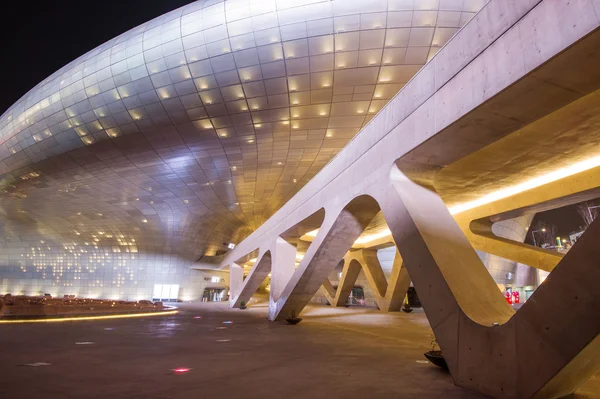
332	353
394	165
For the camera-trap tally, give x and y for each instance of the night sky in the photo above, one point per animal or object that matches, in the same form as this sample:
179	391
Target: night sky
566	220
39	38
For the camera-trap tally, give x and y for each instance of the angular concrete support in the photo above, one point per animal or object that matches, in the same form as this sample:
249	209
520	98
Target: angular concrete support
336	236
481	237
389	296
236	281
471	320
328	291
350	273
397	286
284	262
257	275
374	272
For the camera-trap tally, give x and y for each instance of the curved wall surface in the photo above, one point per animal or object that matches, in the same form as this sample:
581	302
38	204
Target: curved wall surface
171	140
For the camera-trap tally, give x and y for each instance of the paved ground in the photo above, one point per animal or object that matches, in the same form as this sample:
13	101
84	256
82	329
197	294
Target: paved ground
333	353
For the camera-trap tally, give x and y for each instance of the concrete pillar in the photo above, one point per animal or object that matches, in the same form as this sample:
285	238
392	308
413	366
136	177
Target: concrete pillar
373	272
257	275
336	236
282	269
350	273
236	280
328	291
397	287
388	296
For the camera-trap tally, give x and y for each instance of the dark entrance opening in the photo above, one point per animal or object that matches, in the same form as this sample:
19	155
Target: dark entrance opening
213	295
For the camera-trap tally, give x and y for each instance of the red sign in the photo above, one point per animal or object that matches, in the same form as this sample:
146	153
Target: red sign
516	298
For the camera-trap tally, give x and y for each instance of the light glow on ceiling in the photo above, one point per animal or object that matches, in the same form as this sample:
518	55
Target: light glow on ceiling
538	181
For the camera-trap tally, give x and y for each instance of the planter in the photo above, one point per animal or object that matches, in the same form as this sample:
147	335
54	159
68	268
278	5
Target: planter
243	307
437	358
293	320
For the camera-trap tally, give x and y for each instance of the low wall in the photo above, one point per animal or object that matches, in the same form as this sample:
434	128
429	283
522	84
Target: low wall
45	307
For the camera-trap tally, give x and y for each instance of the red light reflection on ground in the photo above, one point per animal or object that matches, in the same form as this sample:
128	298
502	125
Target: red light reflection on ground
181	370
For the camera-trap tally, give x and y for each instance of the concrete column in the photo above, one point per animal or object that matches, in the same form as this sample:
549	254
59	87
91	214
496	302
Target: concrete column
336	236
374	273
236	280
328	291
350	273
389	297
257	275
397	287
284	262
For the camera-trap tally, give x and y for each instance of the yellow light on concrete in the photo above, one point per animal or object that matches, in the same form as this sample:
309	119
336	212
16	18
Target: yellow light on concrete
538	181
497	195
313	233
84	318
361	240
372	237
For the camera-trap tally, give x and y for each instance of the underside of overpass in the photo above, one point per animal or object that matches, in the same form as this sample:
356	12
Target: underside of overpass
289	145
